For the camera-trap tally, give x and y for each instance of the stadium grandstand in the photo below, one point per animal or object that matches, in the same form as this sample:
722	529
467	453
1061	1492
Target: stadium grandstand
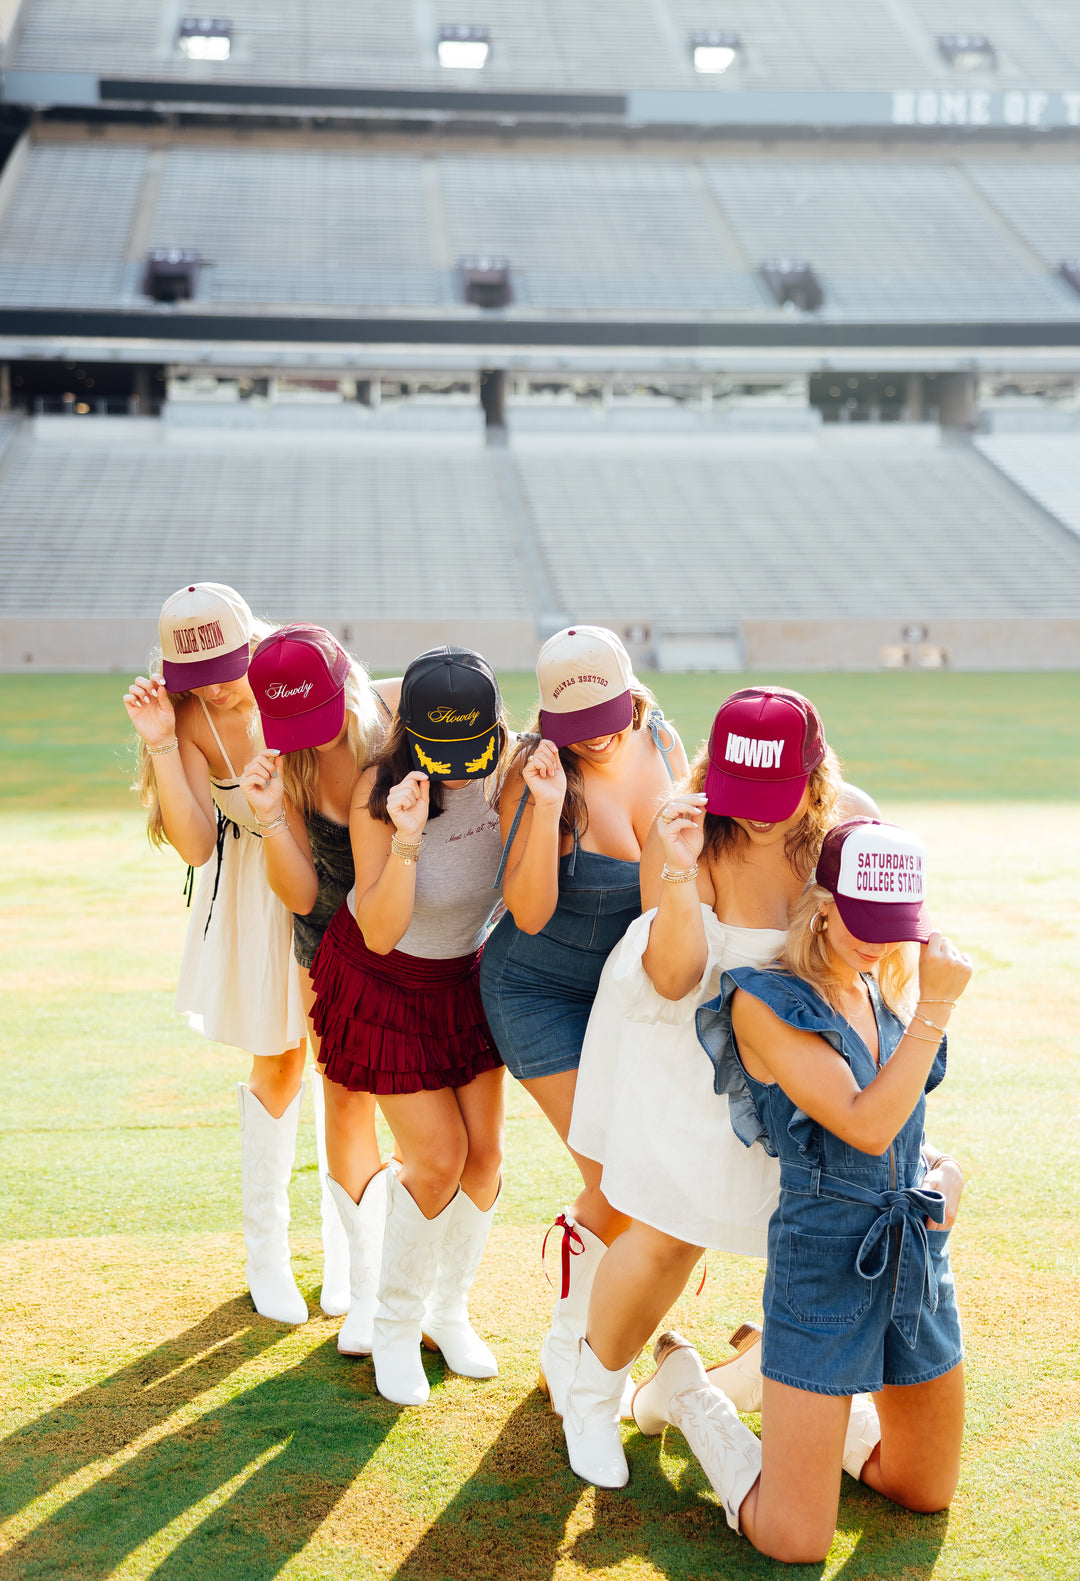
549	297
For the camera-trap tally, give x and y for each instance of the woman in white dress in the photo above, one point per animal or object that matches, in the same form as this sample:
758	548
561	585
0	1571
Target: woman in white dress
724	863
197	721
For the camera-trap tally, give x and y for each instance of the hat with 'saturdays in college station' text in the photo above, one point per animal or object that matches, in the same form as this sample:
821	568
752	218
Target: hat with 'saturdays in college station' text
298	675
876	874
765	743
585	675
451	707
205	635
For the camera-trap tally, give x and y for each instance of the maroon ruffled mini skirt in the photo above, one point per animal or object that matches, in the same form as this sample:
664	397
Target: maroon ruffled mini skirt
397	1023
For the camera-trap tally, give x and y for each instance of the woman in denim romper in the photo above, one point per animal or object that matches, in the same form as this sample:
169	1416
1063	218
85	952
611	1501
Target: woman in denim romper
859	1297
568	906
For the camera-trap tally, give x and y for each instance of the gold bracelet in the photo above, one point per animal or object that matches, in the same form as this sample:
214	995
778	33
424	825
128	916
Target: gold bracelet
950	1002
675	875
943	1158
406	849
908	1033
157	752
915	1016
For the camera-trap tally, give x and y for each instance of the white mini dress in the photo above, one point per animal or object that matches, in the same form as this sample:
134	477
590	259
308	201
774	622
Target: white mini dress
645	1109
239	983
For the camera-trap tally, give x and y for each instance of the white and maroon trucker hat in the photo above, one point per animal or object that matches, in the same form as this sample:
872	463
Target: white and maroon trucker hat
876	873
205	632
585	676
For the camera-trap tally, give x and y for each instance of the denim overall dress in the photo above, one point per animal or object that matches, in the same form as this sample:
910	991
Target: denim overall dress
538	988
858	1292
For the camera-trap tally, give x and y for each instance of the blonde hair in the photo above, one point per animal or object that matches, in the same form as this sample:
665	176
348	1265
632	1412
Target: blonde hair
145	781
365	730
807	955
803	844
574	817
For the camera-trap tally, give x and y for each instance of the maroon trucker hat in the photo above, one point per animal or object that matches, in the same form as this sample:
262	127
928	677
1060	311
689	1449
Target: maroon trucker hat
298	676
765	743
876	874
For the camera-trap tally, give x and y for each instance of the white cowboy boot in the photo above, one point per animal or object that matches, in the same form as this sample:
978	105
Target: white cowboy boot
409	1260
680	1393
363	1224
267	1147
591	1421
446	1317
334	1295
739	1377
582	1252
863	1434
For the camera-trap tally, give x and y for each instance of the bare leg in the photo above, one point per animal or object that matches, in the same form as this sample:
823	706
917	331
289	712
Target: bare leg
275	1079
434	1143
642	1275
483	1111
555	1095
352	1151
917	1463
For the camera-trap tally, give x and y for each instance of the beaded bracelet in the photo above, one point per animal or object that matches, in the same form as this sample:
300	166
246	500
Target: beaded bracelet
157	752
406	849
926	1019
674	875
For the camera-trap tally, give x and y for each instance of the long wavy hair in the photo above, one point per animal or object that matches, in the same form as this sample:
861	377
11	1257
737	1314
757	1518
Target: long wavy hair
803	844
575	814
394	761
145	781
807	955
365	728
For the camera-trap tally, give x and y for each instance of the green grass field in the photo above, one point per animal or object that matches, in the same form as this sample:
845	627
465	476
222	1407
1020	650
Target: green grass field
155	1426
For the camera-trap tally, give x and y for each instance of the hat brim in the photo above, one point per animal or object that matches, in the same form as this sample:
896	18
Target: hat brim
185	676
455	760
758	801
884	921
311	729
588	724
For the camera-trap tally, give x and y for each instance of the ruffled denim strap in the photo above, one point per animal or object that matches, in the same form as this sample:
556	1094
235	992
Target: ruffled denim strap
904	1211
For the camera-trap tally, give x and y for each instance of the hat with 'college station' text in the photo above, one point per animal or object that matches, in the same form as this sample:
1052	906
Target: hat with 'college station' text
585	676
205	634
451	708
765	743
298	675
876	874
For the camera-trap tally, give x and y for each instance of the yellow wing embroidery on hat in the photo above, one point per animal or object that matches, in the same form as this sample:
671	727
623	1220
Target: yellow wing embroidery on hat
431	764
473	765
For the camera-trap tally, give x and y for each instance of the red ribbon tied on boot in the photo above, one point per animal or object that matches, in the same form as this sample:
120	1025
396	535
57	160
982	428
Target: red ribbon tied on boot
572	1246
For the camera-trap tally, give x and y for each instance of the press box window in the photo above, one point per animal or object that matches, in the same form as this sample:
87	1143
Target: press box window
967	51
463	48
205	37
171	274
793	283
714	50
486	281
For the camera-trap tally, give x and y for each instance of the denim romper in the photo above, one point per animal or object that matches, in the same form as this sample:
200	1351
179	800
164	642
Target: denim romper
858	1293
538	988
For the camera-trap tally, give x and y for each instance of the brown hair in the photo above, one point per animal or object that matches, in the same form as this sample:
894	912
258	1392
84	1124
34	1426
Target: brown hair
574	817
808	956
395	761
803	844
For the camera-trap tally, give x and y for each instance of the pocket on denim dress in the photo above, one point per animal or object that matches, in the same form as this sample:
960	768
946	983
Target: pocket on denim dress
817	1274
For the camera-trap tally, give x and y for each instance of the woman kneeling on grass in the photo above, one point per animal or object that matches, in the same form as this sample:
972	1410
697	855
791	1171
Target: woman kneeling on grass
398	1011
859	1299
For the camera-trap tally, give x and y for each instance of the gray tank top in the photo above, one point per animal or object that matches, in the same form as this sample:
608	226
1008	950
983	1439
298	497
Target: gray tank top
454	895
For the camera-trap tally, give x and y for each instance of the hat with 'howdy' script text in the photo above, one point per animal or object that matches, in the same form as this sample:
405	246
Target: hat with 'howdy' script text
451	707
298	675
765	743
876	873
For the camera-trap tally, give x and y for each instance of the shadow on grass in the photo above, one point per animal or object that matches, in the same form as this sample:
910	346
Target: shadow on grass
523	1515
289	1447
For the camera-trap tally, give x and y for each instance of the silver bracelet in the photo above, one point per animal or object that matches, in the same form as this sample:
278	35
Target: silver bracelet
275	824
675	875
157	752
